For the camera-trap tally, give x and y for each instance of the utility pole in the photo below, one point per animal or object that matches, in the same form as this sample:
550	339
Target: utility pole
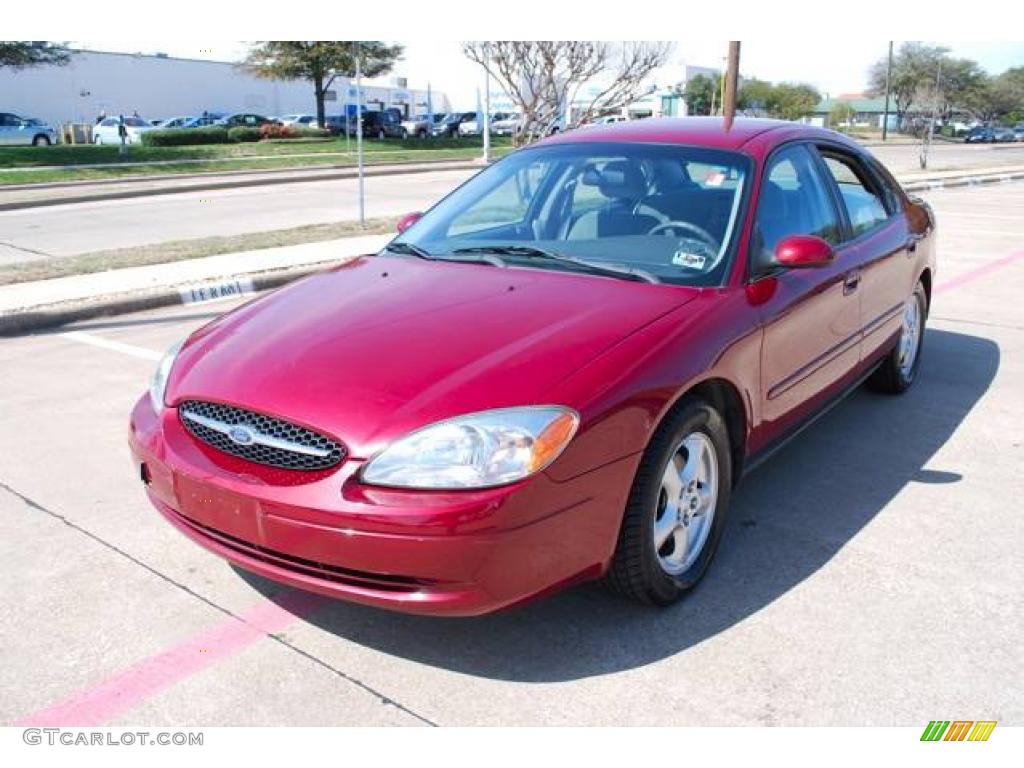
731	84
888	81
359	134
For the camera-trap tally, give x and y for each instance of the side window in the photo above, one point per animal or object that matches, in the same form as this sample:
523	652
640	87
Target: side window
860	192
794	201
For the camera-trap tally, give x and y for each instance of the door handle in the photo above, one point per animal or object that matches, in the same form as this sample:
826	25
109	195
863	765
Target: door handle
851	282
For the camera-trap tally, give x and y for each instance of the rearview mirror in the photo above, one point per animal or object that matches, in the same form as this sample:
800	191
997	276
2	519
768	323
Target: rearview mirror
803	252
408	220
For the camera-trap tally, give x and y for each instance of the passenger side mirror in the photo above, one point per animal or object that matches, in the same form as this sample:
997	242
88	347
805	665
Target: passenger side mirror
408	220
803	252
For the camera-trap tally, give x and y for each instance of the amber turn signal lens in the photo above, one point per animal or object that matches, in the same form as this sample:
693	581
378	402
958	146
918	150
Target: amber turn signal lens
553	440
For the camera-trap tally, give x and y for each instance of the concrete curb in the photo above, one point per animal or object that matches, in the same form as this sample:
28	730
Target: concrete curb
41	318
922	185
32	319
236	180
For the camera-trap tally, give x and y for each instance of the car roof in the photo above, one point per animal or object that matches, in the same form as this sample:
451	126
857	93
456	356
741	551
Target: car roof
700	131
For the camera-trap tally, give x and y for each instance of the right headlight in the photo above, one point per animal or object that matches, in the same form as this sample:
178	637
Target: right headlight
478	450
158	385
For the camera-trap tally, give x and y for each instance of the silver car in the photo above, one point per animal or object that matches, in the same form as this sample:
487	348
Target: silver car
25	131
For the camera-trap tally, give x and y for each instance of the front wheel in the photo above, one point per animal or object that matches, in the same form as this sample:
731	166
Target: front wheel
677	507
898	370
41	141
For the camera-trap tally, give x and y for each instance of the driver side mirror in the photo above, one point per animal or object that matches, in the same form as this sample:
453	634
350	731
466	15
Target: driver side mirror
803	252
408	220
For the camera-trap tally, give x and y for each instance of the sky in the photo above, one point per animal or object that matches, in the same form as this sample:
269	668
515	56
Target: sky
832	65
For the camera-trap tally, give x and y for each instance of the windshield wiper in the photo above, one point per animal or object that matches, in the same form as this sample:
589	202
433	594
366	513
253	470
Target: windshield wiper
409	249
534	252
422	253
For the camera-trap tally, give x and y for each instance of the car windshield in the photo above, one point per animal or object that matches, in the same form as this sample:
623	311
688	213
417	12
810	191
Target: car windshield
668	211
135	122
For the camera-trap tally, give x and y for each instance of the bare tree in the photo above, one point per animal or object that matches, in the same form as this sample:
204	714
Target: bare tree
577	79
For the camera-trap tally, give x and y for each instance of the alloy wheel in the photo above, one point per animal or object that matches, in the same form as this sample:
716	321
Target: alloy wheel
686	504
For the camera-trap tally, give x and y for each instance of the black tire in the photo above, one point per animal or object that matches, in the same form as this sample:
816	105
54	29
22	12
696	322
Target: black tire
404	133
421	134
635	570
41	141
889	378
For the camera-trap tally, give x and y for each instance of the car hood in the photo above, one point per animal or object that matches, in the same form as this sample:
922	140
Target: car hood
382	345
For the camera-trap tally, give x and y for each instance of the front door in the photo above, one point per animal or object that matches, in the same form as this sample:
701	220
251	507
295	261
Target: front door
812	319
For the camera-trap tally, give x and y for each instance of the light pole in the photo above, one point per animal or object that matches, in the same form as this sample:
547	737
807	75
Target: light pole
359	134
486	123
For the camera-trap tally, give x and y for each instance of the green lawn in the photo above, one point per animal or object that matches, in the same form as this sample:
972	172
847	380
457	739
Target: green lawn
26	165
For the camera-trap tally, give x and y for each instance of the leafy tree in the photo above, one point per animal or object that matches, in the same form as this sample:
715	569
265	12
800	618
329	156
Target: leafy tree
841	114
790	101
319	61
755	96
19	54
699	94
913	72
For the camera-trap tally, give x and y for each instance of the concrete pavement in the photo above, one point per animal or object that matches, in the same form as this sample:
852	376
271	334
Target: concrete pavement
870	574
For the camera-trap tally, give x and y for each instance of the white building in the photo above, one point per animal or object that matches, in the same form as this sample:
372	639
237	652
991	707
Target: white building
159	86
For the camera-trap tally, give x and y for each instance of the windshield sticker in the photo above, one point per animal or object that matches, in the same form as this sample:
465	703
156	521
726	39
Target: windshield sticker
689	260
715	179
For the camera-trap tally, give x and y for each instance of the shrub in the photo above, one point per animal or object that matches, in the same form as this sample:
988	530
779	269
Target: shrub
179	137
244	133
275	131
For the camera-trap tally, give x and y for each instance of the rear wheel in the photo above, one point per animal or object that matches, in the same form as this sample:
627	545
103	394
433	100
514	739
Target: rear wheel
898	370
677	507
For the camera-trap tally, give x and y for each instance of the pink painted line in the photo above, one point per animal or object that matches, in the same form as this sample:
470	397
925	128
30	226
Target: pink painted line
975	274
102	703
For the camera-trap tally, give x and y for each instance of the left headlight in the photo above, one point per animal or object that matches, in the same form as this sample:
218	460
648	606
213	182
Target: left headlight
158	385
479	450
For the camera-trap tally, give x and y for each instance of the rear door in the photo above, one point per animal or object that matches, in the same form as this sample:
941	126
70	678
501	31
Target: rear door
876	232
811	319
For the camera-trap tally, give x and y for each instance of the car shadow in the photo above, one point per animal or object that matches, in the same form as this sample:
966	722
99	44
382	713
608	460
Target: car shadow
788	520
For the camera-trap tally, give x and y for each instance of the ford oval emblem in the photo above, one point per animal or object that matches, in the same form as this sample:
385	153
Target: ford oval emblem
242	435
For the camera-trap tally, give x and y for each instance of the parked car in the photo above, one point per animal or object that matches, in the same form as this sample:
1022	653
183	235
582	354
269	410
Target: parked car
25	130
449	127
337	125
1001	134
474	128
246	119
174	122
552	387
108	130
1018	131
300	121
980	134
421	126
509	125
382	125
203	120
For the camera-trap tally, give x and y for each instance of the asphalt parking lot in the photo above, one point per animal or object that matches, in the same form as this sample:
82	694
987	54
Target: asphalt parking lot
871	572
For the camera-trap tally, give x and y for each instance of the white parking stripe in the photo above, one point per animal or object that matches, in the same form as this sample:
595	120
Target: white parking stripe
116	346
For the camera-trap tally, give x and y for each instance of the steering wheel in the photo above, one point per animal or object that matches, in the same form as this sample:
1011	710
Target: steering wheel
702	234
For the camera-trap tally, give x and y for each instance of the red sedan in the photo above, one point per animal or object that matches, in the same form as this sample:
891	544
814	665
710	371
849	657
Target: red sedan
558	373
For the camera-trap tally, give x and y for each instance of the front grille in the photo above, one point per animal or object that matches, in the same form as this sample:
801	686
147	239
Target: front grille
290	440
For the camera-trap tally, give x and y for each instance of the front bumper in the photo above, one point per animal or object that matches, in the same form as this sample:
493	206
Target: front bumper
443	553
